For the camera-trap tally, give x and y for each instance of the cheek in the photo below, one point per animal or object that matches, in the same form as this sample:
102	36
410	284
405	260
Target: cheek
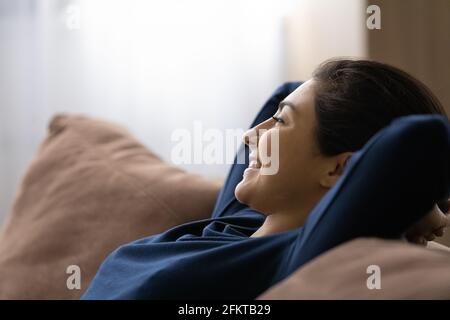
280	174
296	164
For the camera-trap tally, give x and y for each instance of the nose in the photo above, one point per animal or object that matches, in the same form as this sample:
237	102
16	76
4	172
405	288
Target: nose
248	136
252	135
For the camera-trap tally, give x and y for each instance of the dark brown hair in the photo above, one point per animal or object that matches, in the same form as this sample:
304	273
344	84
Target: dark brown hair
356	98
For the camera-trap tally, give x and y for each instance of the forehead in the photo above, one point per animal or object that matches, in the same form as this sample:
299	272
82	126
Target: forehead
302	98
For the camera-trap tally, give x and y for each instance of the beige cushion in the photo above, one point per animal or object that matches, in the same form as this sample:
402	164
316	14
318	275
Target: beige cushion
407	272
90	188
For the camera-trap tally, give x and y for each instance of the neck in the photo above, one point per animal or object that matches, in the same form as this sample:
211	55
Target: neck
290	219
280	222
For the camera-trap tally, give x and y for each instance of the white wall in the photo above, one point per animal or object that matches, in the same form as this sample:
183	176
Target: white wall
322	29
152	66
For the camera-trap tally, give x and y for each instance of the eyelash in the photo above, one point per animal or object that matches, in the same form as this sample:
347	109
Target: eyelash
277	119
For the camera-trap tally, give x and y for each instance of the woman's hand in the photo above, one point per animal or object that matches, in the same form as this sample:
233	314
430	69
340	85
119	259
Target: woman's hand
430	226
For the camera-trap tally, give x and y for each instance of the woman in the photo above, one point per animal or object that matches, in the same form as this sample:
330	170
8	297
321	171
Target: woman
339	176
329	117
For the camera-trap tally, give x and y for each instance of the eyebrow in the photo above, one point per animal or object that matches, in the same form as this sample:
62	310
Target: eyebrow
286	103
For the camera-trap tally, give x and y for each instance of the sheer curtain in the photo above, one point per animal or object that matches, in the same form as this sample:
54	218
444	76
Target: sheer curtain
153	66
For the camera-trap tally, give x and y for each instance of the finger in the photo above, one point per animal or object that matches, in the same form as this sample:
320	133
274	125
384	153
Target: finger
430	237
413	239
439	232
419	240
423	241
444	205
441	220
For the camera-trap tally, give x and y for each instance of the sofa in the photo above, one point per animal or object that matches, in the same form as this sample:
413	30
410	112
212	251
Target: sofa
92	187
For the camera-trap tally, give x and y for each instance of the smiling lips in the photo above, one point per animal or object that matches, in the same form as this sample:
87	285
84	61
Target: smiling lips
254	162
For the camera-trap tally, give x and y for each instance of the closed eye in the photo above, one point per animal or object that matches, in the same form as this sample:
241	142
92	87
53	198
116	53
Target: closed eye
277	119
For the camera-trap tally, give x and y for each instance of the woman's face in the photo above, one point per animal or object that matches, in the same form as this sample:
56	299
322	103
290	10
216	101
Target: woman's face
303	174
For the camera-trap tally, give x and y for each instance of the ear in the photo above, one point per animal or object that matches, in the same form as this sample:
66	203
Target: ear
334	169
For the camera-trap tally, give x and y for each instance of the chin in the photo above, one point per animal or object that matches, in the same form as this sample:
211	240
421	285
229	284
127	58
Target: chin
242	193
247	193
247	187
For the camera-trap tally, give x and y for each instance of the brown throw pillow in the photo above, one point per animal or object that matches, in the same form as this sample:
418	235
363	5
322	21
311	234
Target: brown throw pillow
90	188
406	271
